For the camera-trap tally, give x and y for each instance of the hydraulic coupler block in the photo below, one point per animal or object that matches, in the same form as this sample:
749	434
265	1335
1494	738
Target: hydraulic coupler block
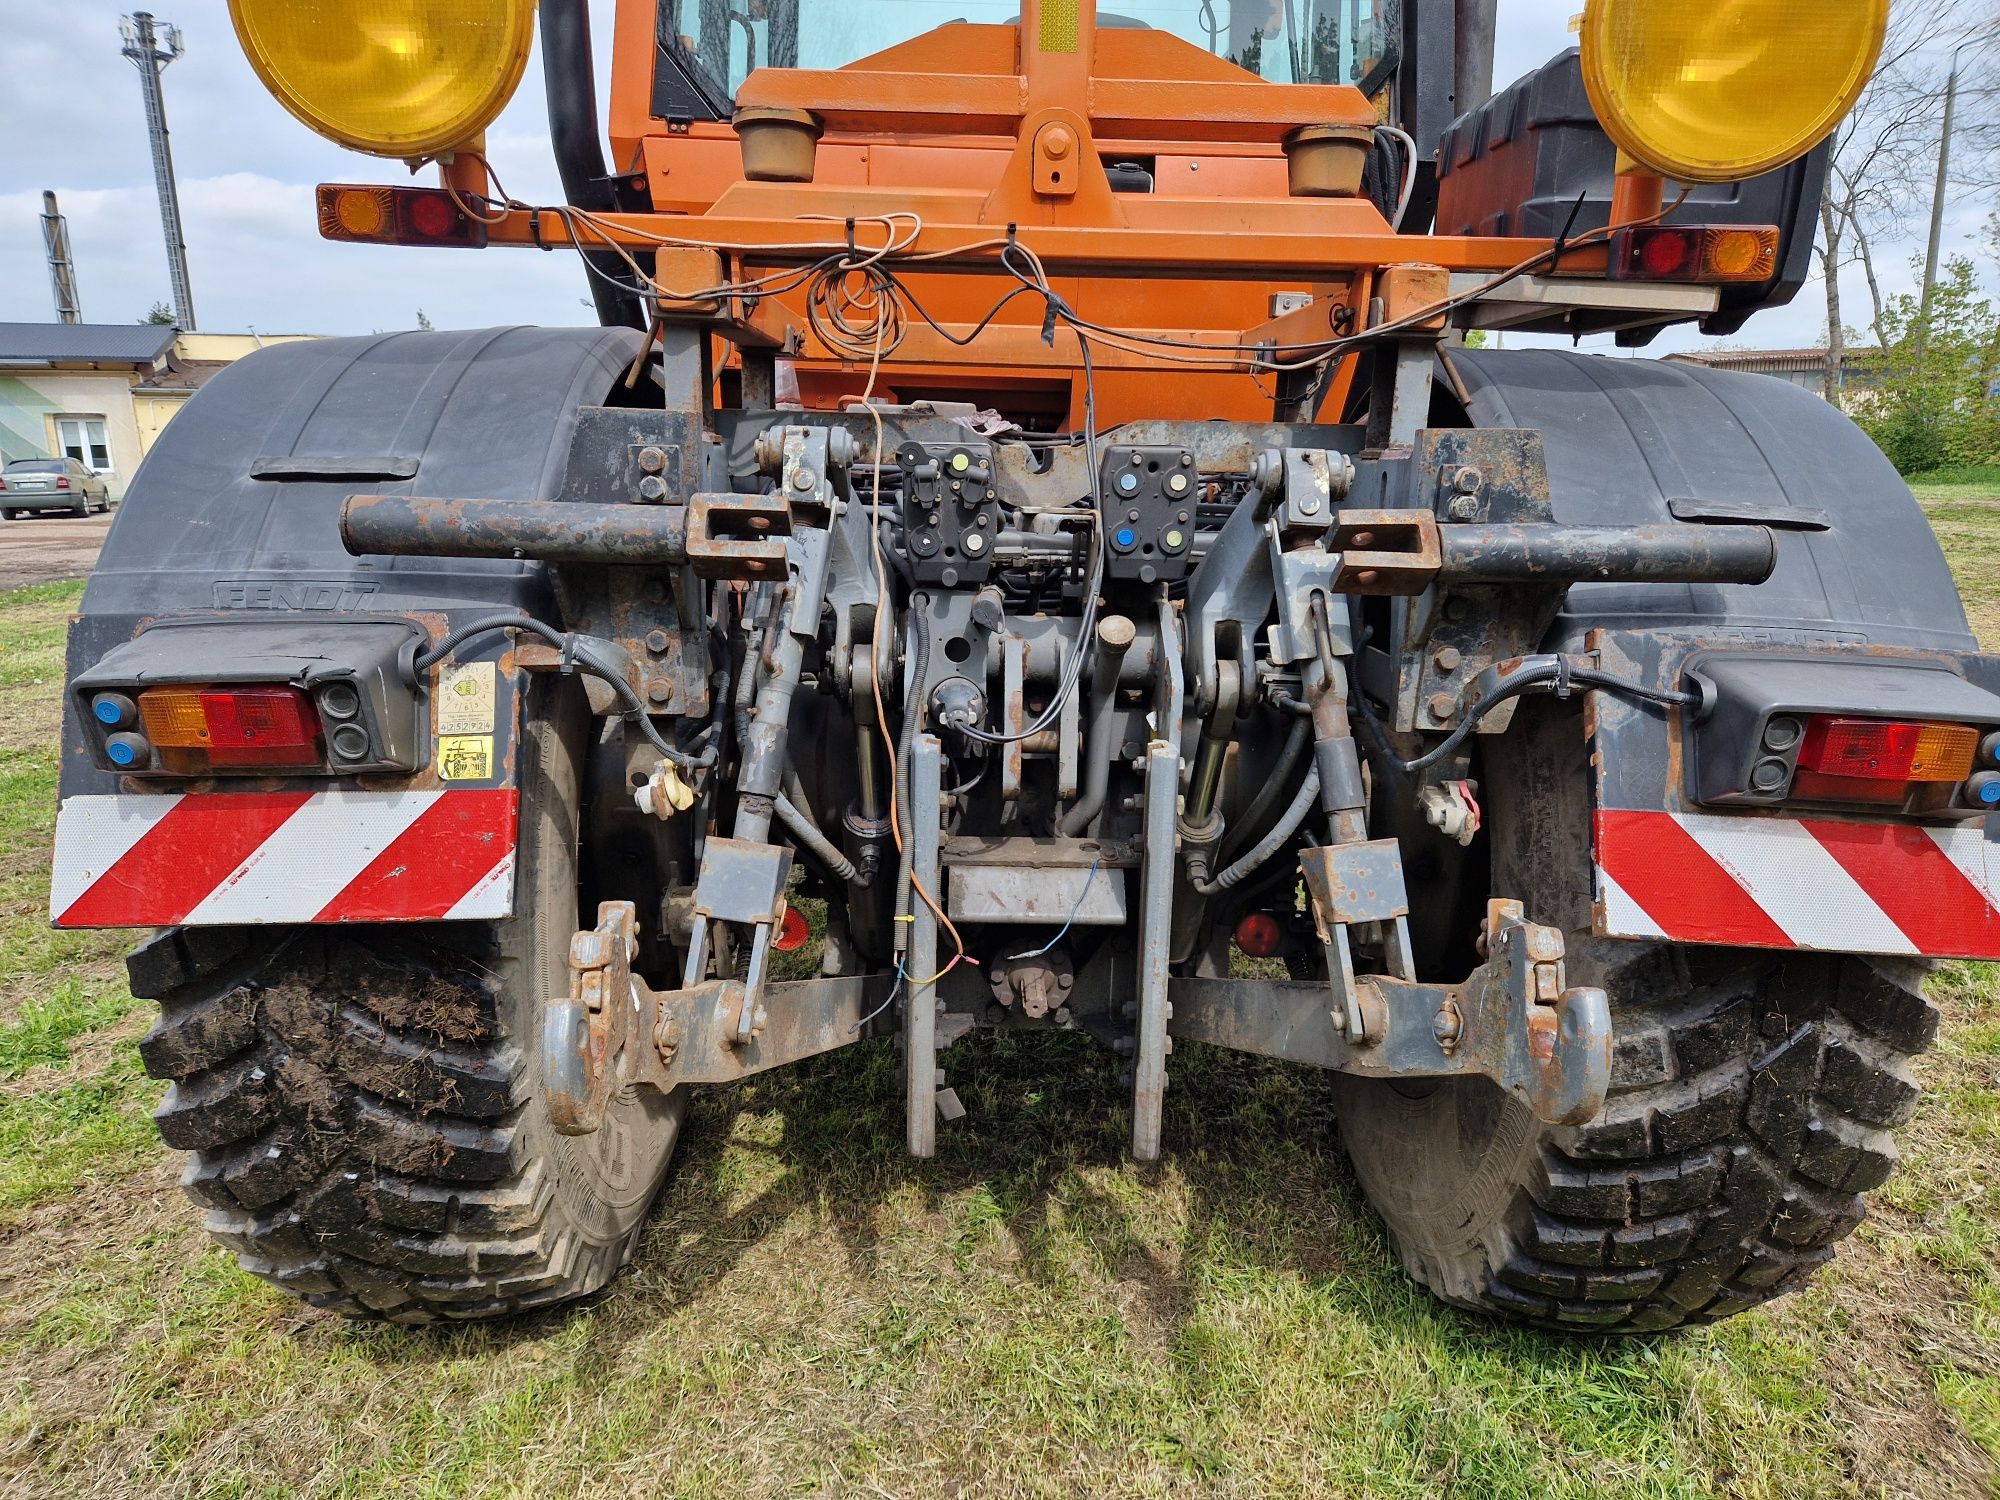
1150	496
951	512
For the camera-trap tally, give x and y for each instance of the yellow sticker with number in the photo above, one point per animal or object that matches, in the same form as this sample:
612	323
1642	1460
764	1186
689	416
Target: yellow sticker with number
468	699
465	757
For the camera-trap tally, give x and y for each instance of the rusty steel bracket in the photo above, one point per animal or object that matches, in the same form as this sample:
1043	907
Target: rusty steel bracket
1385	552
1351	885
613	1032
738	536
1444	636
1541	1040
588	1036
1302	561
1515	1021
741	883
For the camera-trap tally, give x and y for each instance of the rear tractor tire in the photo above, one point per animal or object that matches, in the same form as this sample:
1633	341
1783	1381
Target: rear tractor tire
1752	1099
362	1103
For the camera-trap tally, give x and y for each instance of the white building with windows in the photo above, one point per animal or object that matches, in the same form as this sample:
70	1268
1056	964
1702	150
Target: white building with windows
101	392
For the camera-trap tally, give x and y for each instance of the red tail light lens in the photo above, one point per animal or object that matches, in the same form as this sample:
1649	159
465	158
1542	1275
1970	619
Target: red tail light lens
63	483
195	730
396	216
1260	935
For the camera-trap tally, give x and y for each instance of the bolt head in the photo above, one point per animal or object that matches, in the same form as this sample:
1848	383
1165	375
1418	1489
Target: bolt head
1448	658
660	690
804	479
657	641
652	487
1463	508
1442	706
1467	481
652	460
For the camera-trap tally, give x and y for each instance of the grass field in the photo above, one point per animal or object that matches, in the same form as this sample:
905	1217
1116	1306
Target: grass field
814	1314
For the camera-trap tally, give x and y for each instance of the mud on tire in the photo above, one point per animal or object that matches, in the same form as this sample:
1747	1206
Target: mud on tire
1752	1099
362	1104
1750	1110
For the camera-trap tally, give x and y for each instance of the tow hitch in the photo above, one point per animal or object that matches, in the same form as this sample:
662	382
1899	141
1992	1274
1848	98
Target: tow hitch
1514	1021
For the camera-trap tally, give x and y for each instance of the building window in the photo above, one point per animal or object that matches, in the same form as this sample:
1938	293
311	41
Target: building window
83	439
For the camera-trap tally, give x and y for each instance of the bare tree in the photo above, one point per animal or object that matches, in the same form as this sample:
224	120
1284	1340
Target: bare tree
1879	181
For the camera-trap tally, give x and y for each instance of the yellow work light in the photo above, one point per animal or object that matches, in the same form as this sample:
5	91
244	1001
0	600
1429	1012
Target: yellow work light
1726	89
403	78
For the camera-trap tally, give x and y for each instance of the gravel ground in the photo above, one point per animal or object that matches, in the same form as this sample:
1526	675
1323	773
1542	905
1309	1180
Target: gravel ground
42	548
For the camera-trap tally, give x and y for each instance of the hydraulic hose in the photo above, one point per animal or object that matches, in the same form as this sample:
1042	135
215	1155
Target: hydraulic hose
1273	788
1271	843
1114	638
906	747
807	833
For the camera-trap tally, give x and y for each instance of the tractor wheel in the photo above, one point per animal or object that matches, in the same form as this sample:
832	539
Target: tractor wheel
362	1103
1752	1099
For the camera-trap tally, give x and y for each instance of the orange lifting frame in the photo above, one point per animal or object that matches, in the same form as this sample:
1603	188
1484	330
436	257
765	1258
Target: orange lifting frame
969	127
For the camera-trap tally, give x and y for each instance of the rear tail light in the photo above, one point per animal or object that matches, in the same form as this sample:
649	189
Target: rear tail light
1888	750
1879	760
62	484
194	730
1695	252
396	216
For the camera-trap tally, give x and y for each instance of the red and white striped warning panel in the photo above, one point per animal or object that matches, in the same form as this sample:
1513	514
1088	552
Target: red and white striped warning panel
219	858
1759	882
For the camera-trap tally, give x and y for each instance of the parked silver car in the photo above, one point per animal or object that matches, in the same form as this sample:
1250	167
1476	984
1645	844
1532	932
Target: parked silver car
29	484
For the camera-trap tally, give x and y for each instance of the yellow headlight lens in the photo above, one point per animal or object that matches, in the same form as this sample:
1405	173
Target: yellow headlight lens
403	78
1721	90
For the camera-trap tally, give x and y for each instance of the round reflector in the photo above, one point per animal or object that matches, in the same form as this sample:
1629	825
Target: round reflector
1260	935
793	931
1727	89
402	78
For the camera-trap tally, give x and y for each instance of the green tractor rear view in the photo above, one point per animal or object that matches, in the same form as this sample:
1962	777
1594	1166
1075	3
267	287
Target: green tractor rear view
1031	501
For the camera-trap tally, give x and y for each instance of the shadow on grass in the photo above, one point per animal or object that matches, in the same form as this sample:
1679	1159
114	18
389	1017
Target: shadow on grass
1253	1187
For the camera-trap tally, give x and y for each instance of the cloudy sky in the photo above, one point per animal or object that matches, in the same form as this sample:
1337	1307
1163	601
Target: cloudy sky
70	119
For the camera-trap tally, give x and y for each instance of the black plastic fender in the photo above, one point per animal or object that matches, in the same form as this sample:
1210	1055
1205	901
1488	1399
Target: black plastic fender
1633	442
236	509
